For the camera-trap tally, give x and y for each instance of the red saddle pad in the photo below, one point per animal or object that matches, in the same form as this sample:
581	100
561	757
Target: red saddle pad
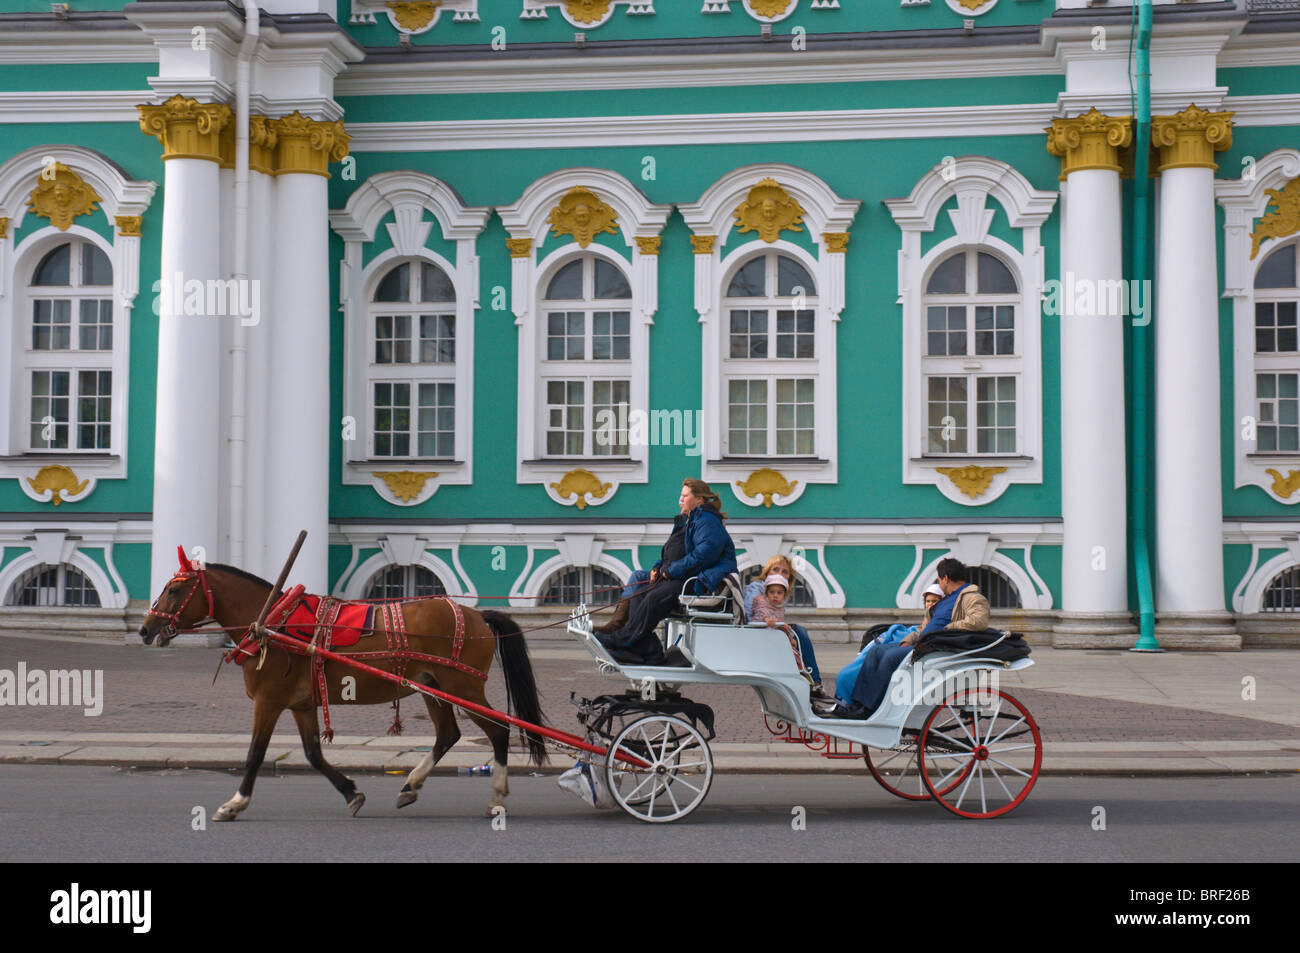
354	621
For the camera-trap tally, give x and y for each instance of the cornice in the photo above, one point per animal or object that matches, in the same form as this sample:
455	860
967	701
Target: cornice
783	126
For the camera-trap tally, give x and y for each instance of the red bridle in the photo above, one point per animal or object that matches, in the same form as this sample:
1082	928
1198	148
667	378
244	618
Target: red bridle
186	572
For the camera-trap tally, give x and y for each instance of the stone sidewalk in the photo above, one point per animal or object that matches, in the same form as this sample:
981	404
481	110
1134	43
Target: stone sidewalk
1099	711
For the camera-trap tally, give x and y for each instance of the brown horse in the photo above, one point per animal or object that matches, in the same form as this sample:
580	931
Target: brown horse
234	598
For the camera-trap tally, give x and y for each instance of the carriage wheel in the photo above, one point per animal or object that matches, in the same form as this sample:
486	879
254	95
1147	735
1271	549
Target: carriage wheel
897	771
677	775
990	738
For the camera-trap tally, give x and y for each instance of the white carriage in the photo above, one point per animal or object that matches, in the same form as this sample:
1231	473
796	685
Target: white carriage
944	730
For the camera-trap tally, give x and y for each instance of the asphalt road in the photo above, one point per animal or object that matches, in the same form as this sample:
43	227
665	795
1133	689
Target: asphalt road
103	814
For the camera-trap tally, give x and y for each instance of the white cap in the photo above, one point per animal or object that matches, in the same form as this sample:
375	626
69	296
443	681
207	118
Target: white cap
776	579
933	590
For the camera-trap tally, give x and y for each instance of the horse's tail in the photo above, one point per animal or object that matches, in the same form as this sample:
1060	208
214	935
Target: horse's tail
521	686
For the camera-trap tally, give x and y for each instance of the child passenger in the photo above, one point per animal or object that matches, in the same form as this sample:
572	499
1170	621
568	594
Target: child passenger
769	608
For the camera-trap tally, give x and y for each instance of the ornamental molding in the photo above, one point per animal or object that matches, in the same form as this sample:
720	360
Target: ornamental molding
413	17
187	128
770	11
1284	486
579	488
128	226
1244	200
769	210
1248	596
972	480
765	486
1189	139
519	247
1283	221
405	485
584	14
62	196
648	244
57	484
581	214
703	244
836	242
1090	141
968	8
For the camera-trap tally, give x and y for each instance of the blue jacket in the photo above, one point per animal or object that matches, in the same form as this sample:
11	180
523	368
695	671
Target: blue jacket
710	553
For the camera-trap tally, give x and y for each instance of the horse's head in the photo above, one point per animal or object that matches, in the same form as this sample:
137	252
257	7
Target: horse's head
185	601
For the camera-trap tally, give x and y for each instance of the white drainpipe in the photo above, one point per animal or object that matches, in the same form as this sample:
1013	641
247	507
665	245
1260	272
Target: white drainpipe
239	349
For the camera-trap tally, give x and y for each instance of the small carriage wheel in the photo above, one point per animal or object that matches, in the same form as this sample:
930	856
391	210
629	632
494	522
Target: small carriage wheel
896	769
989	736
677	775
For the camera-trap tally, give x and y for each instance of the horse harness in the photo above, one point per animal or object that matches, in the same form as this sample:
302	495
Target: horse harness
398	645
187	572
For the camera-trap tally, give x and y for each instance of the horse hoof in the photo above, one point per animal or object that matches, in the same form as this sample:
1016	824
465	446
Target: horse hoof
406	797
495	810
225	814
354	805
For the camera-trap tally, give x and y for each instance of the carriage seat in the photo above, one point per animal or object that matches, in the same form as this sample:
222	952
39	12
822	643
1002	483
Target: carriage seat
726	603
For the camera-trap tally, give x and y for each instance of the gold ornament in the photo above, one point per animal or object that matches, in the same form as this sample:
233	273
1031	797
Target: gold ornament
59	480
4	227
1189	139
580	483
583	215
305	145
128	226
62	197
1090	141
765	483
1285	221
406	485
703	244
647	244
972	4
836	242
1284	486
768	210
187	128
587	11
413	15
519	247
971	480
769	8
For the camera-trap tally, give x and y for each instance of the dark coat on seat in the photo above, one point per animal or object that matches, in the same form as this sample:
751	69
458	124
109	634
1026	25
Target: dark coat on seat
710	553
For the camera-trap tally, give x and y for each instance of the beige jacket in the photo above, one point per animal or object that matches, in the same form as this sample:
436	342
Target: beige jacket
971	611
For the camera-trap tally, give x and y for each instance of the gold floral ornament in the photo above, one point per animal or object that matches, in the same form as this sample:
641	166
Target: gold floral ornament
583	215
62	197
767	483
1189	139
406	485
129	225
588	11
519	247
1284	486
59	480
972	4
836	242
971	480
647	244
769	210
187	128
4	227
1090	141
413	15
582	484
1285	221
703	244
769	8
306	145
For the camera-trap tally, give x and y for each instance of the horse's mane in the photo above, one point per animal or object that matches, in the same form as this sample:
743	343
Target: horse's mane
242	573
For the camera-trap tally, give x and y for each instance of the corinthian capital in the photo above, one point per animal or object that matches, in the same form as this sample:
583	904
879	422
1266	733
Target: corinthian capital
1189	139
1090	141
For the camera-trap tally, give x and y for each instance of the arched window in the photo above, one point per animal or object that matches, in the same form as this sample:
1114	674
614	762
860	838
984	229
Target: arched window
412	332
770	356
800	598
404	582
997	588
586	584
586	359
1277	354
1283	593
971	360
69	350
47	585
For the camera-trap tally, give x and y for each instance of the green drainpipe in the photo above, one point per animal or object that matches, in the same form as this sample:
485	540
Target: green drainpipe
1139	336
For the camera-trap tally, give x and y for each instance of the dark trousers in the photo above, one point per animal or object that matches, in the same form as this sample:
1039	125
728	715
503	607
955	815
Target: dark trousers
873	680
645	612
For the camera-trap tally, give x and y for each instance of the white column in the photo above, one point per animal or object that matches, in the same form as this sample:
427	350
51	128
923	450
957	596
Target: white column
298	409
258	496
187	423
1188	485
1094	562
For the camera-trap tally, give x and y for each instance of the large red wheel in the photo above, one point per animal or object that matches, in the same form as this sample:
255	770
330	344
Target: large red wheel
897	771
992	747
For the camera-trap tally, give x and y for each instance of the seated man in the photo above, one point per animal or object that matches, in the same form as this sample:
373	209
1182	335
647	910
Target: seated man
962	607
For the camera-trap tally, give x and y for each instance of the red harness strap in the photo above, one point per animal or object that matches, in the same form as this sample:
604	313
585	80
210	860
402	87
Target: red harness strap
327	613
